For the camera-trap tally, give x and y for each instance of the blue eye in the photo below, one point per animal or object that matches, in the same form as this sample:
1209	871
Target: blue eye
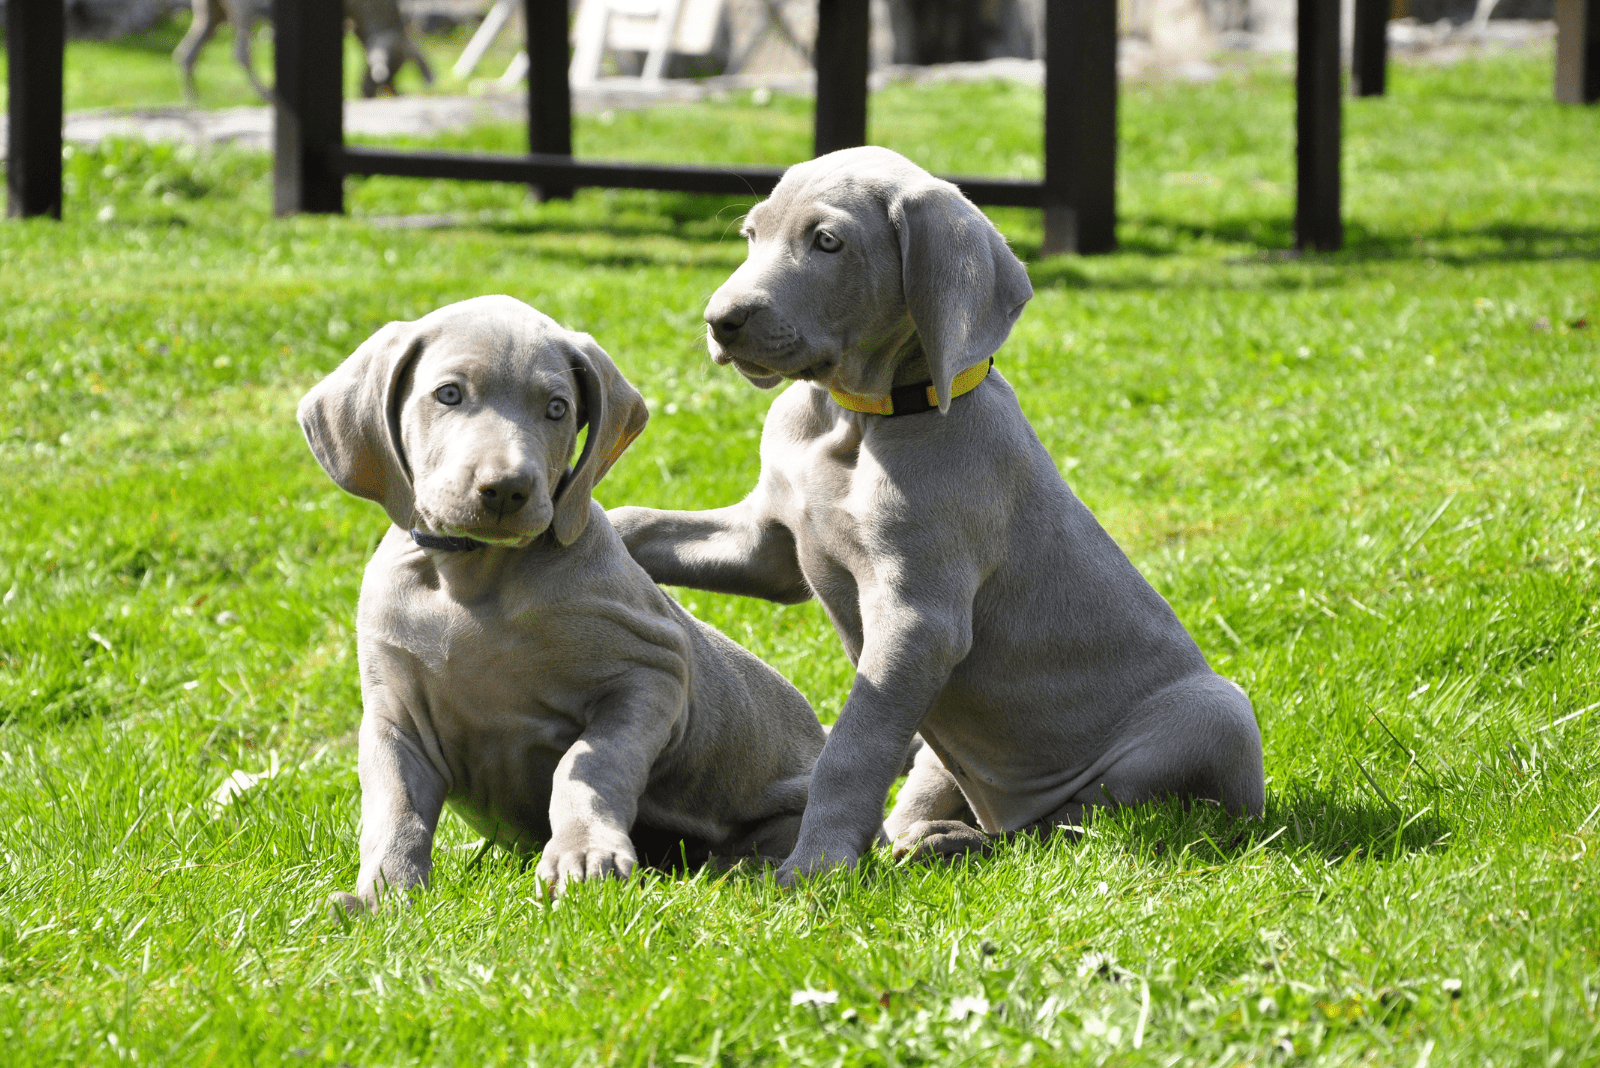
448	394
557	409
827	242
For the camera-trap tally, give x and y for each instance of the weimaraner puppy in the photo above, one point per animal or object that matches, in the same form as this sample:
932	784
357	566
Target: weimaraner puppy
515	662
979	600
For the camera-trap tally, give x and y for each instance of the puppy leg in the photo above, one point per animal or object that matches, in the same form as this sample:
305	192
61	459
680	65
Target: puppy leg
1201	742
207	15
913	638
597	785
244	25
402	795
415	52
738	549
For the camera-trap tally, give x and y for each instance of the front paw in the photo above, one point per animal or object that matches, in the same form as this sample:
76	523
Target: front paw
808	864
941	839
578	858
342	906
371	897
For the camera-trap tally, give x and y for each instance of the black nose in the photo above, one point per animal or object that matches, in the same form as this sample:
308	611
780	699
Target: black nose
725	325
504	496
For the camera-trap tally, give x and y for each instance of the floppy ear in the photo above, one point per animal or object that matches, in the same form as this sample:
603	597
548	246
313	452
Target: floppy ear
351	421
963	285
616	414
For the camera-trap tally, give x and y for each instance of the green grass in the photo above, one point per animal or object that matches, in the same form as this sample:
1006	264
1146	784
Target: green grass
138	71
1363	480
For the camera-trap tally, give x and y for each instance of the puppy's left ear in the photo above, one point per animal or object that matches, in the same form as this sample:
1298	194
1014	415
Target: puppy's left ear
963	285
616	415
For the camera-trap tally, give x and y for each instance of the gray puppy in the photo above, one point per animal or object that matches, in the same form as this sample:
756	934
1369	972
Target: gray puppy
515	662
979	600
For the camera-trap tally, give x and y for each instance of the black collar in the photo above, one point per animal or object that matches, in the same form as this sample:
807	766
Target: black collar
446	543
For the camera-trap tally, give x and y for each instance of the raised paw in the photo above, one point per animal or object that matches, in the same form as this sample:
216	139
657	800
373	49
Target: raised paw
942	839
564	863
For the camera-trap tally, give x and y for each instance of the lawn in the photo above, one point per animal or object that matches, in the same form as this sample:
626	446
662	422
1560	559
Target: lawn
138	71
1361	479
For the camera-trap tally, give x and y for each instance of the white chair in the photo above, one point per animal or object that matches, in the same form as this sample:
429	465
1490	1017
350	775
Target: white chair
488	30
624	25
658	28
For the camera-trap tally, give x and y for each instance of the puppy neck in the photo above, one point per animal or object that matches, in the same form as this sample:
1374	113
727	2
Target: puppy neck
472	574
912	368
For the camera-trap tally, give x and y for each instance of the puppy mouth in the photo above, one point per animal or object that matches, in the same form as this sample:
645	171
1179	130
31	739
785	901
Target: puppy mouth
759	376
489	533
763	376
496	536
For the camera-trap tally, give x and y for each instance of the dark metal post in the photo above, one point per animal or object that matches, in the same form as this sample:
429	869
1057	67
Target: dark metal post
1369	60
841	60
36	35
1578	51
1080	126
308	106
1317	224
549	91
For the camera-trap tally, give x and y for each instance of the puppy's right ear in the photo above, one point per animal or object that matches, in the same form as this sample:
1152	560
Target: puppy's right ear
351	421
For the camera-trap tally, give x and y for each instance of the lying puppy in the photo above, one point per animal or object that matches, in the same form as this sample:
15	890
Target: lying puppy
515	662
980	601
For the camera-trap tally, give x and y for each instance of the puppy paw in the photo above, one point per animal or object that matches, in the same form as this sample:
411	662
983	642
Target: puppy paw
808	865
941	839
342	906
577	860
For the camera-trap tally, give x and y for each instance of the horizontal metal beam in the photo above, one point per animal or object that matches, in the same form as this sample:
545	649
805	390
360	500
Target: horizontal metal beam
546	169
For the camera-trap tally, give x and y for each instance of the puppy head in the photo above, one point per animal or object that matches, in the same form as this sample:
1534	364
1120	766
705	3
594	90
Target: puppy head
462	423
860	261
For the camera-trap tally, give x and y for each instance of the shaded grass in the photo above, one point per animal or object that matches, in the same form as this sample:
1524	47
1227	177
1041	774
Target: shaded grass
1365	482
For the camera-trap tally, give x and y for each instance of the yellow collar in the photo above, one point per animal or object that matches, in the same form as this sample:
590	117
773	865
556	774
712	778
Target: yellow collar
909	400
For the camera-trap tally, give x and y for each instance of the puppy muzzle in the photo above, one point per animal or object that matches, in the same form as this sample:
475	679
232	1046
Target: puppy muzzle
508	512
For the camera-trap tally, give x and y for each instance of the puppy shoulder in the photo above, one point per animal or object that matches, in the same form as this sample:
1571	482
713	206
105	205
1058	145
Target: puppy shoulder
397	578
597	592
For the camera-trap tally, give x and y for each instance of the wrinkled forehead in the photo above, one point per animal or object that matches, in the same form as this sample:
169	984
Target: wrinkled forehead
858	183
494	339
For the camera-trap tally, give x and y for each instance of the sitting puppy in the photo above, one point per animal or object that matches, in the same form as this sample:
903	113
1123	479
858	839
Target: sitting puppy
979	600
515	662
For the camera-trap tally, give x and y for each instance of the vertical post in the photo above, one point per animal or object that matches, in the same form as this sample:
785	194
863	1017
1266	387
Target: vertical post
1577	51
841	60
308	106
1369	60
1317	224
36	34
549	91
1080	126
